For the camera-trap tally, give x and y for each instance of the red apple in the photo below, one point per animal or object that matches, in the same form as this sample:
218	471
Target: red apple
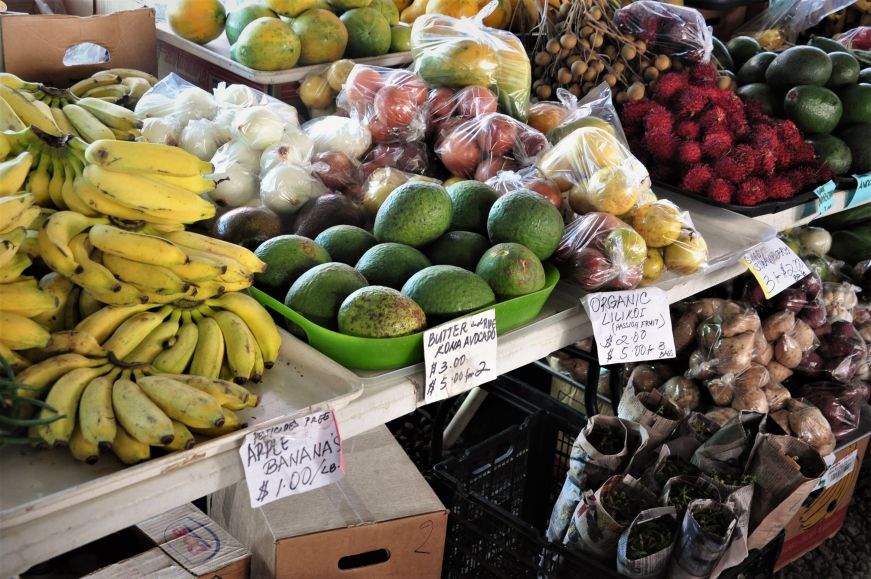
459	156
395	106
410	83
474	101
547	189
496	134
492	166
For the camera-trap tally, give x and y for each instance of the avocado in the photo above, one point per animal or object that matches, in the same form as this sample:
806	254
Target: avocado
346	243
317	294
858	138
754	69
721	55
799	65
391	264
511	270
845	70
459	248
813	109
826	44
833	151
742	49
762	94
448	291
380	312
325	211
415	213
471	202
286	257
857	104
527	218
865	75
248	226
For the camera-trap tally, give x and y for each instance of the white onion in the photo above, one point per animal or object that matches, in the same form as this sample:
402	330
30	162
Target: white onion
161	130
201	138
340	134
194	103
154	105
236	94
287	152
235	153
286	188
258	127
235	186
287	113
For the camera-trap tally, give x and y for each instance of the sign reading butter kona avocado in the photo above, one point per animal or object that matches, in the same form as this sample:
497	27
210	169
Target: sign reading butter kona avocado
459	355
630	326
292	457
775	266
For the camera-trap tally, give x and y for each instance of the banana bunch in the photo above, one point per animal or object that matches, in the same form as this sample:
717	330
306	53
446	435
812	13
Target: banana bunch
60	112
122	86
93	406
155	265
22	301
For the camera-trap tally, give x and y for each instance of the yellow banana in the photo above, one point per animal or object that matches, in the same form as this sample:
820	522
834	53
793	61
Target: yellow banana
108	319
146	158
198	269
83	449
29	112
9	121
153	278
64	399
62	122
257	319
232	421
29	247
14	359
139	192
240	344
10	243
25	300
259	364
194	183
235	272
13	270
110	114
218	247
125	295
209	352
183	438
12	81
139	415
55	184
70	312
58	286
103	204
176	358
41	375
86	305
128	449
136	246
228	394
90	273
87	125
37	181
25	219
20	333
126	73
12	208
116	91
162	298
101	78
13	173
191	407
137	86
55	236
132	331
72	171
96	413
70	341
155	342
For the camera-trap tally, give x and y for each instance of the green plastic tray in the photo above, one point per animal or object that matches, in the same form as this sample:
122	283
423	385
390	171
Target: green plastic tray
390	353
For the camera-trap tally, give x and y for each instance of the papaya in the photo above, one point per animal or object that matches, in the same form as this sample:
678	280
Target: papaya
199	21
415	9
459	63
453	8
500	17
513	77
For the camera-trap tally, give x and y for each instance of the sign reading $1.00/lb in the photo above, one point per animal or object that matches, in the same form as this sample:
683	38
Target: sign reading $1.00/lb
293	457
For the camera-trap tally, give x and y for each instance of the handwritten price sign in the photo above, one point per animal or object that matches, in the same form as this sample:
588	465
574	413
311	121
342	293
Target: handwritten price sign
775	266
459	355
292	458
631	326
863	190
826	194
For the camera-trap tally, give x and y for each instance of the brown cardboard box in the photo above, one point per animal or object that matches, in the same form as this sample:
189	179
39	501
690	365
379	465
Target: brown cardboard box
189	544
33	46
823	512
381	520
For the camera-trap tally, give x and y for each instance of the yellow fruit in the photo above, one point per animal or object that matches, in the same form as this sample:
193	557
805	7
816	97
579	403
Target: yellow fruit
454	8
290	7
579	155
411	12
199	21
315	92
500	17
402	4
658	223
267	44
613	190
652	267
688	253
338	73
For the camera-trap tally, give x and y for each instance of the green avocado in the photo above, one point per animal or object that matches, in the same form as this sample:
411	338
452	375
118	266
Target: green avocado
813	109
317	294
799	65
415	214
511	270
459	248
527	218
445	291
380	312
391	264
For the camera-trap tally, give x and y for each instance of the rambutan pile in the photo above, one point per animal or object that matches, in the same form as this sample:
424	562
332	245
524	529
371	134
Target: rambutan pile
708	141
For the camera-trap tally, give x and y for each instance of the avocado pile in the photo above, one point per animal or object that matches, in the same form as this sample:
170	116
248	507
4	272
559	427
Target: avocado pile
433	254
822	87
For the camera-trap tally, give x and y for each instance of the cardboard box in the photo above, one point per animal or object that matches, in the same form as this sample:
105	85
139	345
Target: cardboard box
381	520
72	7
34	46
823	512
189	544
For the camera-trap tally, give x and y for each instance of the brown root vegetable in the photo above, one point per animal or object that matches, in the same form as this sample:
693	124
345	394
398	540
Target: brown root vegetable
644	378
700	367
787	351
777	396
734	354
750	399
781	417
685	331
804	335
766	355
755	376
682	391
721	391
809	425
778	372
705	307
778	324
721	416
737	320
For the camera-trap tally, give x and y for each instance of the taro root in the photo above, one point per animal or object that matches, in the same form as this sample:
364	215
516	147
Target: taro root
804	335
721	391
778	324
778	372
787	351
683	392
684	331
644	378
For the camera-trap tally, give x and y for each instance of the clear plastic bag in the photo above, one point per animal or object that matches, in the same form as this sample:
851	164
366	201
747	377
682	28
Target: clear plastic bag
598	251
840	300
595	109
202	137
389	102
667	29
858	38
527	178
783	20
408	157
683	392
336	170
341	134
808	424
452	52
482	146
286	188
237	175
726	342
840	404
841	353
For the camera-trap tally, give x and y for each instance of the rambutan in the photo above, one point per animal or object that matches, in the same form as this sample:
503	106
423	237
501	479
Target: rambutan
765	137
789	133
751	192
688	130
689	153
658	121
721	190
745	156
766	162
728	168
728	101
668	85
661	146
754	113
633	112
802	152
716	144
714	118
697	178
780	188
691	102
703	74
662	172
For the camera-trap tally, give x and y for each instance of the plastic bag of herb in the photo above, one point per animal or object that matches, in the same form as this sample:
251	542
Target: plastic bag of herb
781	465
727	451
680	491
651	410
603	515
705	533
644	549
563	509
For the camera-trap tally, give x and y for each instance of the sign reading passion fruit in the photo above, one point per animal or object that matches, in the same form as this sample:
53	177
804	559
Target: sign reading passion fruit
459	355
630	326
292	457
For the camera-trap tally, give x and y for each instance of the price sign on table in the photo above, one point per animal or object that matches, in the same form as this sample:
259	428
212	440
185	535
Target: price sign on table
291	458
775	266
863	190
631	326
826	194
459	355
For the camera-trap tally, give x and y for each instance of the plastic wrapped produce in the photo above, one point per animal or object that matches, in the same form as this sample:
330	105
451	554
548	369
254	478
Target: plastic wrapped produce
336	170
726	342
783	20
683	392
808	424
482	146
237	169
286	188
407	157
595	109
840	299
341	134
598	251
858	38
667	29
462	52
841	353
840	404
527	178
